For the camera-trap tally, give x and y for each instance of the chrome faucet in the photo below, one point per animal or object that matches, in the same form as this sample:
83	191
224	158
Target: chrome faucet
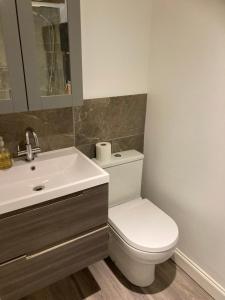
30	151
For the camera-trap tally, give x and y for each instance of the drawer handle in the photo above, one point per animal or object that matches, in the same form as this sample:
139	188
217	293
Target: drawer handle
12	261
65	243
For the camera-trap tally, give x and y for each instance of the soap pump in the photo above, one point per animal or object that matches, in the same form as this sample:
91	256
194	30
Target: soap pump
5	157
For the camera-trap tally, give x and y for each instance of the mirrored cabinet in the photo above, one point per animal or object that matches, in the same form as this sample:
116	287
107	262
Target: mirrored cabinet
40	55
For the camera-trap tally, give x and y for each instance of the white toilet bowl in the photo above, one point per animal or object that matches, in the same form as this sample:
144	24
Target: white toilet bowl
141	236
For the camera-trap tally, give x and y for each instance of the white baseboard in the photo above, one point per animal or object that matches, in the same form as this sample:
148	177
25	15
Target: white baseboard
200	276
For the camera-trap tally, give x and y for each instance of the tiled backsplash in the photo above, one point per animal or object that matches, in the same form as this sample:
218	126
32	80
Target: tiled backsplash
53	127
119	120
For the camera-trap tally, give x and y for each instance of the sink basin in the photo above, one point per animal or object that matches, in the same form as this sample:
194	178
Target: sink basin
51	175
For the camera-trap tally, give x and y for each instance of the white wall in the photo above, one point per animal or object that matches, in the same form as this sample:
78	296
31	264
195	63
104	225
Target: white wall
115	42
184	170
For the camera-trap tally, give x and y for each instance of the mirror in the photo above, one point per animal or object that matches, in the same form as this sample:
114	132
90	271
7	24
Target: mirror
52	47
4	73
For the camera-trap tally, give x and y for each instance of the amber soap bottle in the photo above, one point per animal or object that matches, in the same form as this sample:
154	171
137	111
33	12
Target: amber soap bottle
5	157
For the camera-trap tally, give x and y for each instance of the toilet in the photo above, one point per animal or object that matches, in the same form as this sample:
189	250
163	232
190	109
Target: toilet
141	234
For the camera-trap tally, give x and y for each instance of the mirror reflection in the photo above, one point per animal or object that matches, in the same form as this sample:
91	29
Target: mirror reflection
52	46
4	74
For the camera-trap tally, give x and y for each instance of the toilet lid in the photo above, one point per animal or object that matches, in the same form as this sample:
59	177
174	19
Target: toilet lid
144	226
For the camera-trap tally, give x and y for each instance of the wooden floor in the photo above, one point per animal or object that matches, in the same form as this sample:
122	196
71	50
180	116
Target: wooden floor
103	281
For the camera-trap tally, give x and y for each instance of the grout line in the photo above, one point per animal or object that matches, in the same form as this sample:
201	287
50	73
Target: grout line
127	136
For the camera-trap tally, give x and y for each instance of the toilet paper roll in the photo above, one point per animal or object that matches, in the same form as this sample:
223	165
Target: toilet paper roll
103	151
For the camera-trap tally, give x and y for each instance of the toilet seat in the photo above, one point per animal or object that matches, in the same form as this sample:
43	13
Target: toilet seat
144	226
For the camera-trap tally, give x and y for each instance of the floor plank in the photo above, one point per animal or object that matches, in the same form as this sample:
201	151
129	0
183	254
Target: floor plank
103	281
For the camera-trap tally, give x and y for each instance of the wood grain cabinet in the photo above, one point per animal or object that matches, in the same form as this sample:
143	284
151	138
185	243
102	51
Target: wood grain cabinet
47	242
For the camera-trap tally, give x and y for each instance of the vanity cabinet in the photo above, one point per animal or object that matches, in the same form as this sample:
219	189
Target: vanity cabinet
40	55
44	243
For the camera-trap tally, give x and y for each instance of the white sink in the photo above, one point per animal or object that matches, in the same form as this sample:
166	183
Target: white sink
51	175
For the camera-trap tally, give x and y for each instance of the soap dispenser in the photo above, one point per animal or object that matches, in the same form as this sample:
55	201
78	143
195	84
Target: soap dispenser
5	157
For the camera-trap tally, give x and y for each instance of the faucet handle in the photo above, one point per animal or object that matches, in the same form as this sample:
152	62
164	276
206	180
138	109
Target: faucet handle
36	150
36	139
20	152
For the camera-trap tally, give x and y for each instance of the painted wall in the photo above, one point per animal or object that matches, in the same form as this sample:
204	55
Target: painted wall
184	170
115	47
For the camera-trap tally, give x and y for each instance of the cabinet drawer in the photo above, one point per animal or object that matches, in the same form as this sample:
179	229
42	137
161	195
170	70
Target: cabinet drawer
47	224
24	275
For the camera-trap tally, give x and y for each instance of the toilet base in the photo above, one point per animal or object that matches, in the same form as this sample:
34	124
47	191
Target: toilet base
137	266
138	273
